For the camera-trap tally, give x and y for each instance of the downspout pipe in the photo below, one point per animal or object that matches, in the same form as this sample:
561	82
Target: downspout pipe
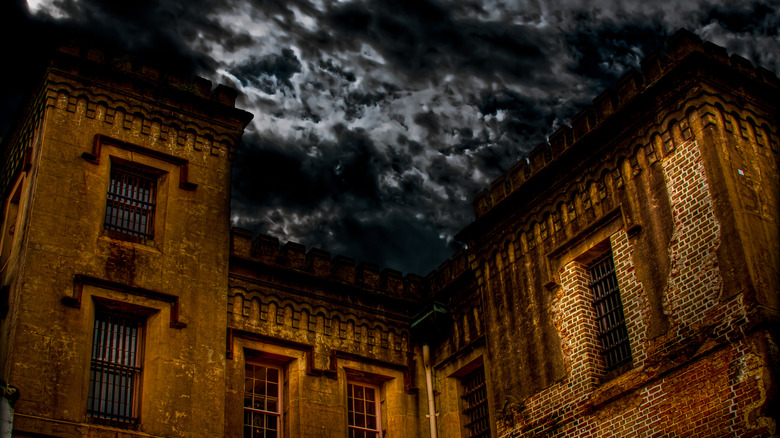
8	395
429	384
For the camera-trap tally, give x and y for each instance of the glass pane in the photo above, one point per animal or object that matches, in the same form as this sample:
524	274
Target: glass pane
259	387
257	420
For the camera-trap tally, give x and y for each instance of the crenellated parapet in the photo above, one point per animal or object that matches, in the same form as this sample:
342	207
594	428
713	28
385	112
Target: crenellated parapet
449	273
331	305
602	188
630	99
139	101
167	78
345	270
339	271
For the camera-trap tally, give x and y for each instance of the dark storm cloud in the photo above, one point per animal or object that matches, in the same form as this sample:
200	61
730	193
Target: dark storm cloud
269	73
356	102
429	121
15	25
156	30
606	49
327	65
272	171
377	121
342	181
397	240
422	39
747	17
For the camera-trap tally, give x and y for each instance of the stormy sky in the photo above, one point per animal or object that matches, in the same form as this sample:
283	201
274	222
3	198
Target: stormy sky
376	122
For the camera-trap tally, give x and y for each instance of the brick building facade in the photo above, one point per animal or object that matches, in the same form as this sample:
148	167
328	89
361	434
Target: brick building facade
620	281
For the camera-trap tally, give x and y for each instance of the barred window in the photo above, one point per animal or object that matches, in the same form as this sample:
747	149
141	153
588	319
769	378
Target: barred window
130	204
609	313
475	408
363	411
115	369
262	401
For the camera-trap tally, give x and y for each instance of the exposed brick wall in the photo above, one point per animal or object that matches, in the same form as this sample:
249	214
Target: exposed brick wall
710	397
712	379
694	283
575	318
717	395
636	307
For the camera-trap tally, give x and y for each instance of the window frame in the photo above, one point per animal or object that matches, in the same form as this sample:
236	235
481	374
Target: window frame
366	431
466	396
10	220
134	205
279	414
103	363
607	300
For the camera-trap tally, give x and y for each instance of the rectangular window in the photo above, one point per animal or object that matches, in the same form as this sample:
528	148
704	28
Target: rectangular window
130	204
262	401
475	408
115	368
363	411
609	313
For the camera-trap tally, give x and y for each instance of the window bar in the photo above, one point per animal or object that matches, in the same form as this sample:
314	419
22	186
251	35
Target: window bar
113	371
475	397
611	322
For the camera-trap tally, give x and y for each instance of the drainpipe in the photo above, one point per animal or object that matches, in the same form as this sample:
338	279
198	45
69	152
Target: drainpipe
429	384
9	394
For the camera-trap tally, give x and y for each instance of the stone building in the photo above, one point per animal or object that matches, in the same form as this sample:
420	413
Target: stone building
116	188
620	281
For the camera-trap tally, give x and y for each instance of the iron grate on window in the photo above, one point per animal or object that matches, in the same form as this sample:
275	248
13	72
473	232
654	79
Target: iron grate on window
115	369
130	204
476	408
609	313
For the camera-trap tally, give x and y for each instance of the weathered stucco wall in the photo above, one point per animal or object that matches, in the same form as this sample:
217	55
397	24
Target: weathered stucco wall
70	262
327	322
